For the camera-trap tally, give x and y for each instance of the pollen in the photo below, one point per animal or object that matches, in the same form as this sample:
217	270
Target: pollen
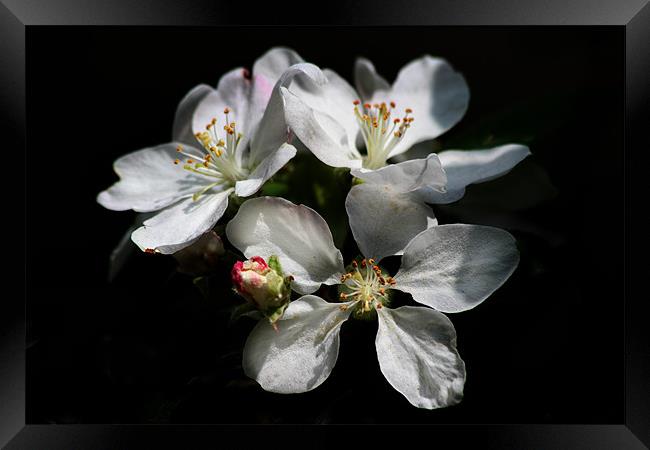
380	131
365	286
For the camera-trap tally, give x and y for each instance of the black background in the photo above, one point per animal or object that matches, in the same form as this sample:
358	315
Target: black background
148	348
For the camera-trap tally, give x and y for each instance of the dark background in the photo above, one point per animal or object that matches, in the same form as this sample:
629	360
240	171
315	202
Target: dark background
148	347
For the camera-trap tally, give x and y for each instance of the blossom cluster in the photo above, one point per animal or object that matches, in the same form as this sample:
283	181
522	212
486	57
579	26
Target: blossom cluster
202	193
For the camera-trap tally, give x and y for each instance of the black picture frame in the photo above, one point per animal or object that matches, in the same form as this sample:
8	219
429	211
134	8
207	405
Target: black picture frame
634	16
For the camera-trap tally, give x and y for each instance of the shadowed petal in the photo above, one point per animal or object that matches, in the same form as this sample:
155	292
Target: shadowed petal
437	94
298	235
179	225
453	268
416	349
149	180
301	354
367	80
182	130
465	167
384	221
407	176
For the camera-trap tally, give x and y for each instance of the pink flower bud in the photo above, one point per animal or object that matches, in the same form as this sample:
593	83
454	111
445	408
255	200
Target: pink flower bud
263	285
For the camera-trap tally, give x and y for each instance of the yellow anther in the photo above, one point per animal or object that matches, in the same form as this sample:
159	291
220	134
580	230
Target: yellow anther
179	148
226	110
176	161
214	120
408	110
392	104
371	261
382	291
343	296
343	307
190	161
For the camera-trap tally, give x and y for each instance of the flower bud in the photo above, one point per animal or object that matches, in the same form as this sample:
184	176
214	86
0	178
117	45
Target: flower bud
264	285
202	256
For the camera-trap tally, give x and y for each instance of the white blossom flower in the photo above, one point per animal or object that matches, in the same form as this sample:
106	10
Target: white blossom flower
450	268
331	119
225	140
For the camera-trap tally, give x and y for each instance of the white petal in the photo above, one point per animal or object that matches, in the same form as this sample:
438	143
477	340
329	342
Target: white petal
180	225
320	133
407	176
465	167
149	180
267	168
436	93
273	130
367	80
275	62
453	268
298	235
302	353
384	221
416	348
182	129
333	98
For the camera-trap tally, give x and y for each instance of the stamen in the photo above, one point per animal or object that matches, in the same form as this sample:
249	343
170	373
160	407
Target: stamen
379	134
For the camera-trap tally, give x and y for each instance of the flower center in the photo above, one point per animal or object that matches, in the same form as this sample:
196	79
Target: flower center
219	161
380	133
366	285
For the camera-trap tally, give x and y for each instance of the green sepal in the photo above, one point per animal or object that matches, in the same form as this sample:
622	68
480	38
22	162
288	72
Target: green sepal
274	264
275	314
